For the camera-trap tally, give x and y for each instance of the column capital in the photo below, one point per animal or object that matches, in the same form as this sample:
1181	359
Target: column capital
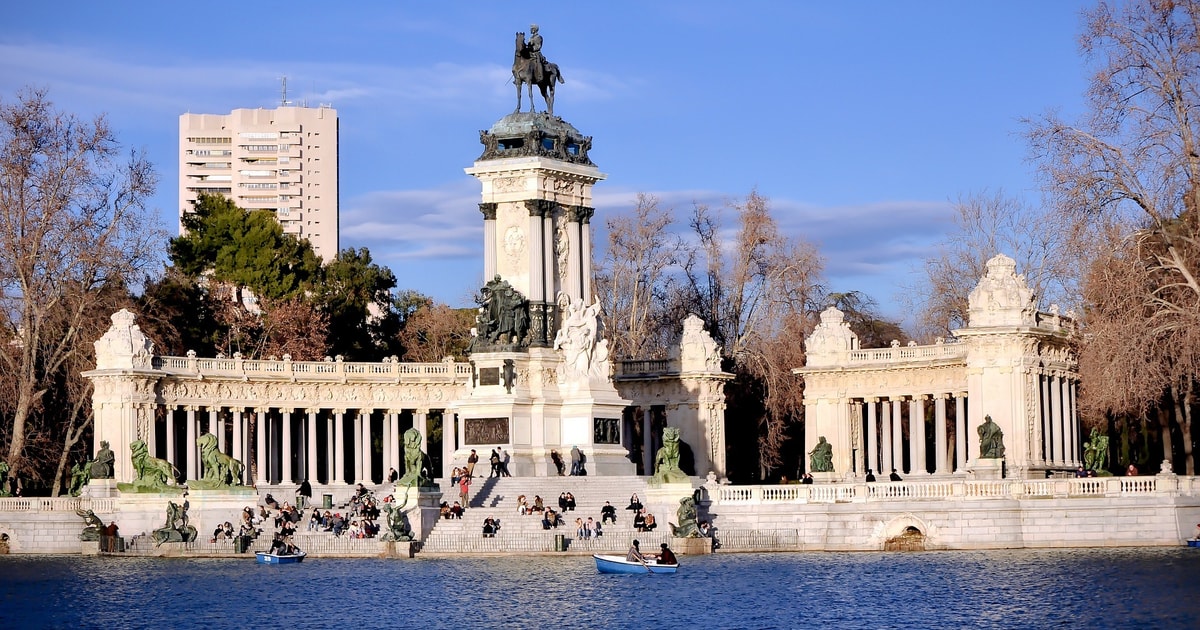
921	397
943	396
489	211
871	399
539	207
312	411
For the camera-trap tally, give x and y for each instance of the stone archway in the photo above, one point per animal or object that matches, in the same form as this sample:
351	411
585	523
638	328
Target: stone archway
905	533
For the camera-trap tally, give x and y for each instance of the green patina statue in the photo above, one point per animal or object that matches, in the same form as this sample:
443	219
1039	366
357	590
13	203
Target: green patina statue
220	470
79	477
93	526
151	474
398	529
821	457
666	462
687	519
4	478
176	528
1095	452
415	470
991	440
102	466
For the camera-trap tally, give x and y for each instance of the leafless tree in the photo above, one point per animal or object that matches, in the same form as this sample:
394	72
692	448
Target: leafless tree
436	331
72	220
633	280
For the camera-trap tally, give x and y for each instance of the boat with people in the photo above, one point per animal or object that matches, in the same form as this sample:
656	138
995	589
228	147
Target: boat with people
1193	542
618	564
267	557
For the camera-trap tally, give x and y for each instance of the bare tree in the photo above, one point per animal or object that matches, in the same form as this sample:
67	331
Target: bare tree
436	331
633	281
987	224
72	219
294	327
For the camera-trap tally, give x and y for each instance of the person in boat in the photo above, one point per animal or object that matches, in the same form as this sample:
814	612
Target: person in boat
666	556
278	547
1196	534
635	553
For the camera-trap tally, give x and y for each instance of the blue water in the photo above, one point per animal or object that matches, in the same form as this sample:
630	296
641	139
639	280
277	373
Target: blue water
1082	588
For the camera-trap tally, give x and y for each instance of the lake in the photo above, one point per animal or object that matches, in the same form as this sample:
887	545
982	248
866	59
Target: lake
1074	588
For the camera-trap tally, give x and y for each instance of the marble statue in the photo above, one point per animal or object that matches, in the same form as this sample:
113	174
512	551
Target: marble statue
821	457
991	440
686	514
581	340
415	472
666	462
102	466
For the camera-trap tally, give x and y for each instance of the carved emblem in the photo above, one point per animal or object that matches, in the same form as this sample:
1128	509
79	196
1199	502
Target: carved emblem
514	242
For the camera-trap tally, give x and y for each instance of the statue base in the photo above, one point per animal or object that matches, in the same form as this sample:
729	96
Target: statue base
691	546
987	468
100	489
826	477
89	548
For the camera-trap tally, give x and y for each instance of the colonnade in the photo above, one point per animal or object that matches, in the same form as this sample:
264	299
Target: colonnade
287	445
1055	401
885	435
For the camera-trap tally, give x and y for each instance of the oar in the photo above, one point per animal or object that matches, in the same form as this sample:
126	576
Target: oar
643	559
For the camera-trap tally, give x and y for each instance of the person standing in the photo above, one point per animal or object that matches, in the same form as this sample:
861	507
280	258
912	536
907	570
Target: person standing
504	463
471	461
494	460
464	490
575	459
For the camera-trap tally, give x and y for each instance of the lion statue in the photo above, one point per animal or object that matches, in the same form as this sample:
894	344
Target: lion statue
414	461
666	462
220	470
152	473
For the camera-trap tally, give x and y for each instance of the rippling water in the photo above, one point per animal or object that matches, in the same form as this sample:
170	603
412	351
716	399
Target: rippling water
1092	588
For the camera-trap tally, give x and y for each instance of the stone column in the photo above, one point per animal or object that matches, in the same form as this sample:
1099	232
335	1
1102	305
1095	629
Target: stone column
220	431
898	434
489	240
585	250
285	449
960	432
872	434
885	437
421	424
550	268
394	445
574	285
537	264
310	440
329	442
1071	432
916	437
647	443
367	460
212	420
170	430
939	435
190	448
1057	418
260	443
389	436
239	452
449	440
1047	421
358	446
339	451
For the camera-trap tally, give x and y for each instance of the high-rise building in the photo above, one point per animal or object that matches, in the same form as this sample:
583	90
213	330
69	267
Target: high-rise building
283	160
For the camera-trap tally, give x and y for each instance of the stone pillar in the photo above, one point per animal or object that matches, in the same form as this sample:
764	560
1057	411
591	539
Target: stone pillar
239	451
898	434
358	446
394	455
329	442
489	240
367	461
939	435
1047	422
1071	433
885	437
170	430
190	447
449	439
339	451
916	437
960	432
1057	417
310	441
574	284
285	449
421	424
537	279
550	268
872	434
585	250
212	420
389	436
260	447
220	431
647	442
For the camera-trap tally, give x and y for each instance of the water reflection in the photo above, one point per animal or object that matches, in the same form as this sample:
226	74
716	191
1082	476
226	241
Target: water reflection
1098	588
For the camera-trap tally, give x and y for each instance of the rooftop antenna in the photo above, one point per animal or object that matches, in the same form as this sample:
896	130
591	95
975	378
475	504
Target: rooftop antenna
283	101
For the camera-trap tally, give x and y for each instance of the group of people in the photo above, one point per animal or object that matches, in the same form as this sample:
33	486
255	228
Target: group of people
895	476
666	556
448	511
642	520
588	529
578	462
499	462
491	525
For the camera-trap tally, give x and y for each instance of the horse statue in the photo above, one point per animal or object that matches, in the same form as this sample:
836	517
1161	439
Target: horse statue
530	68
219	469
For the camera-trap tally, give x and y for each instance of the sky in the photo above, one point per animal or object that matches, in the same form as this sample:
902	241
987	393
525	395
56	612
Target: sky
862	122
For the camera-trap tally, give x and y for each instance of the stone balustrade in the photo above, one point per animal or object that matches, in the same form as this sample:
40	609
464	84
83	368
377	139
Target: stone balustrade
957	489
329	370
645	367
58	504
905	354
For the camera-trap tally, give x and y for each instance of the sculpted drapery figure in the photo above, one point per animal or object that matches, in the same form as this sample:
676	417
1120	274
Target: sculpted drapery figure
503	315
102	466
991	440
821	458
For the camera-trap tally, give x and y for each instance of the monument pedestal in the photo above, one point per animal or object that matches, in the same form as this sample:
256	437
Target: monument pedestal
987	468
100	489
826	477
691	546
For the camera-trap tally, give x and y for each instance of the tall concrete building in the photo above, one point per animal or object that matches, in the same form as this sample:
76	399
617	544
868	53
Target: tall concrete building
283	160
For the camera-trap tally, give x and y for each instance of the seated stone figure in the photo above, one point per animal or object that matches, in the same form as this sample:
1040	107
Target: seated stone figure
666	462
687	519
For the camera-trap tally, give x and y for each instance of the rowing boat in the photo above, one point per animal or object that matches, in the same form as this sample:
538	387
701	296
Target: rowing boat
266	557
618	564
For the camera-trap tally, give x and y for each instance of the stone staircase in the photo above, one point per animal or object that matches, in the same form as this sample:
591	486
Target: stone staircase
497	498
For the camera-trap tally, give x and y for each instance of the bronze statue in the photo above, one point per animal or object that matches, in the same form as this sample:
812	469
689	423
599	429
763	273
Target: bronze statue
414	461
176	528
220	470
531	68
1095	451
102	466
503	315
79	477
687	519
821	457
4	468
991	440
666	461
93	526
152	473
398	529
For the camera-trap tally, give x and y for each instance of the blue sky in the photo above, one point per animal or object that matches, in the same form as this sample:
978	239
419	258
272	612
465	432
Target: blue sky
862	122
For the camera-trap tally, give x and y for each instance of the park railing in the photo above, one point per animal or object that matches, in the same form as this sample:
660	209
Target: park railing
329	370
58	504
